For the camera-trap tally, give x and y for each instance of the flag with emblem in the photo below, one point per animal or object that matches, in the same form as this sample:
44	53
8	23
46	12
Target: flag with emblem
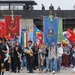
12	25
50	31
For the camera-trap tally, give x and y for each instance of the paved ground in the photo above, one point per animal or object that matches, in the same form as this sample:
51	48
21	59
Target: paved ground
63	72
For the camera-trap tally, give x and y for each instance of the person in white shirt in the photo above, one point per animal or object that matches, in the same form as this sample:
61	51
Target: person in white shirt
59	56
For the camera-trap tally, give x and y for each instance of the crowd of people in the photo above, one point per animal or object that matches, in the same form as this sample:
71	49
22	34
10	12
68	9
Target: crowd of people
14	57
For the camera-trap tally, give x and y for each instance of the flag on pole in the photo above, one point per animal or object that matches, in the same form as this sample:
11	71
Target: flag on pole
24	38
38	36
65	40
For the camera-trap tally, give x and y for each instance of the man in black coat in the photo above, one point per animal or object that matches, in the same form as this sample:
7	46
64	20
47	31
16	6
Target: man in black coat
29	57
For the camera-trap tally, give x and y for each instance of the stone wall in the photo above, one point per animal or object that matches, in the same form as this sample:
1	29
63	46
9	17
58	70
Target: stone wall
27	23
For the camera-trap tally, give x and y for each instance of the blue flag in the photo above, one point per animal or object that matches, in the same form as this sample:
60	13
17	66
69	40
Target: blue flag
50	31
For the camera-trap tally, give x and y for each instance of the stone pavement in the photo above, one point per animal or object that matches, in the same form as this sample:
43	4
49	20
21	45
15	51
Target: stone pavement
24	72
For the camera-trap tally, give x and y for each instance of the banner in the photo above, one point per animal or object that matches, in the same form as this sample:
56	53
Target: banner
60	31
50	31
12	26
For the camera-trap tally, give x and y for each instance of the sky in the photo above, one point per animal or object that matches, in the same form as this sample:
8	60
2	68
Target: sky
64	4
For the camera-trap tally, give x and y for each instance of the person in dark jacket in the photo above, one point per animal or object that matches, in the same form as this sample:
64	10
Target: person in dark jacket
17	57
47	60
11	53
2	56
7	54
35	55
29	57
51	7
43	7
73	56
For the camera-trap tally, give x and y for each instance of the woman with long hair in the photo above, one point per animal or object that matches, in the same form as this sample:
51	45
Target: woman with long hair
35	56
42	52
65	56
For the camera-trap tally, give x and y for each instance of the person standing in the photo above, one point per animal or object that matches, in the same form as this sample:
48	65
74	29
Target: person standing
51	7
29	57
42	52
58	8
53	58
11	53
73	56
59	56
23	63
17	57
35	57
43	7
47	60
65	57
3	51
74	7
6	55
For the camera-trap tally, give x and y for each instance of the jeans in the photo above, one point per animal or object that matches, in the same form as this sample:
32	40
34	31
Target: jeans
47	64
10	68
73	62
53	64
59	60
24	62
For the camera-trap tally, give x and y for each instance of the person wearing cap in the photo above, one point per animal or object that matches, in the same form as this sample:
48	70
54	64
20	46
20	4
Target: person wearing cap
59	56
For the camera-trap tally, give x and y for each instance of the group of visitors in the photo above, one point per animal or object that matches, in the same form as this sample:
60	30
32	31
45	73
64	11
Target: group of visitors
14	57
51	7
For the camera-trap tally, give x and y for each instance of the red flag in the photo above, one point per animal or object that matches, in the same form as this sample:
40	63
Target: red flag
2	29
12	26
39	38
70	35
